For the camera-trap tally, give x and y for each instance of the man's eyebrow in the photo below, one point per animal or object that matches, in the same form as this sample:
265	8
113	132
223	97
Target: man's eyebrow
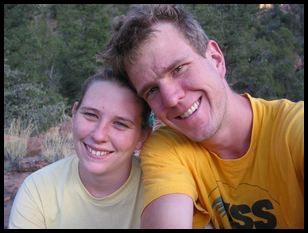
164	70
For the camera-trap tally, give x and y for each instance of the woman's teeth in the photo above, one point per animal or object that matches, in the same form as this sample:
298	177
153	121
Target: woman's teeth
97	153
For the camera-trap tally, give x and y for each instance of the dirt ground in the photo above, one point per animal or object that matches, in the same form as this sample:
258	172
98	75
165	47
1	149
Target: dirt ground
26	165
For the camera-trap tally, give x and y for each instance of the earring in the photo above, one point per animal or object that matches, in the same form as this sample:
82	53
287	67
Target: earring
136	152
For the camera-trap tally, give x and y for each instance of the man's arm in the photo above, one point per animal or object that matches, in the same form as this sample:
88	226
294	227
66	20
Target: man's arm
169	211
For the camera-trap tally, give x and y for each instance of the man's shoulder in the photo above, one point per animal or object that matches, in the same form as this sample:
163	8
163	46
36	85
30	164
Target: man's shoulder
166	139
166	133
282	102
275	106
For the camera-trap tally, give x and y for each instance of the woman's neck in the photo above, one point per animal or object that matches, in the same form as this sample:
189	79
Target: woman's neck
102	185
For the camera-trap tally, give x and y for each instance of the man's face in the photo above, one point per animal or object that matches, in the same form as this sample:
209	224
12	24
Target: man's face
184	89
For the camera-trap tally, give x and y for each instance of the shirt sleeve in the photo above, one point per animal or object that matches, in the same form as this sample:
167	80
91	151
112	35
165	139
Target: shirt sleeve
164	167
26	211
295	134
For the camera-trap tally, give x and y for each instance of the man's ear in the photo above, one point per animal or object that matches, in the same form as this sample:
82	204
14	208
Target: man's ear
144	136
214	53
74	108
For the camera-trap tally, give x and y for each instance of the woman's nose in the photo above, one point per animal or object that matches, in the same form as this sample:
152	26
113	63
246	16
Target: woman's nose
100	132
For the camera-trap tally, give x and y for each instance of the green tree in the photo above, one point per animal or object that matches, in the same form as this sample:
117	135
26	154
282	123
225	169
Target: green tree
84	30
261	47
30	102
52	47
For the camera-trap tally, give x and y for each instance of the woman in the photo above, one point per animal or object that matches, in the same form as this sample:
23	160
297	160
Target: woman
101	187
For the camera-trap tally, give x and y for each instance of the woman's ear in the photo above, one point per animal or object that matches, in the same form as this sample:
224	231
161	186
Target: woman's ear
144	136
74	108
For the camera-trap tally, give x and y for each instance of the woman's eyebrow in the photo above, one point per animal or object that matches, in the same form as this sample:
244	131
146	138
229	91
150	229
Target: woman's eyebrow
85	108
125	120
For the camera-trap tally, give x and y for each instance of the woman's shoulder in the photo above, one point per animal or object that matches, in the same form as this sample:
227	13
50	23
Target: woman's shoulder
53	171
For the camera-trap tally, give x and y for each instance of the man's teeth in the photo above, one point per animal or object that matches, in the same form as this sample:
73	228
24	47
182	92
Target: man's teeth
191	110
97	153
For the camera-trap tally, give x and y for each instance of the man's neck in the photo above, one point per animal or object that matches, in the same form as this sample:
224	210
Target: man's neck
232	140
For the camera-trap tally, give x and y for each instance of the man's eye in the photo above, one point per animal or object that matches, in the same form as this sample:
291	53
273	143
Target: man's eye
151	91
178	69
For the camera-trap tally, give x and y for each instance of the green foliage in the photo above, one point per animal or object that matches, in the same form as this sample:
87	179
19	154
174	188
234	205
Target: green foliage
50	49
20	47
30	102
261	47
84	30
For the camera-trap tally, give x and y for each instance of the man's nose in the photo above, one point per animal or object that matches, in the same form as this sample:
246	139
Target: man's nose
171	92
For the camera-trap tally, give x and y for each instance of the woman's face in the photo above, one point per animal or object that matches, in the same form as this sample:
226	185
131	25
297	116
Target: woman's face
107	128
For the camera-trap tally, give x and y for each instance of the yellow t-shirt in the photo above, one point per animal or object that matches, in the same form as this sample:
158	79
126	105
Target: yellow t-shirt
54	197
262	189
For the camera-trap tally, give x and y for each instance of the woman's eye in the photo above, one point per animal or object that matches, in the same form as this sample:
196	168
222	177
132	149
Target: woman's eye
120	124
90	115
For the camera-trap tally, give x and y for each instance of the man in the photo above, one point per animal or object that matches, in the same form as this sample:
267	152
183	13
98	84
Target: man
228	159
